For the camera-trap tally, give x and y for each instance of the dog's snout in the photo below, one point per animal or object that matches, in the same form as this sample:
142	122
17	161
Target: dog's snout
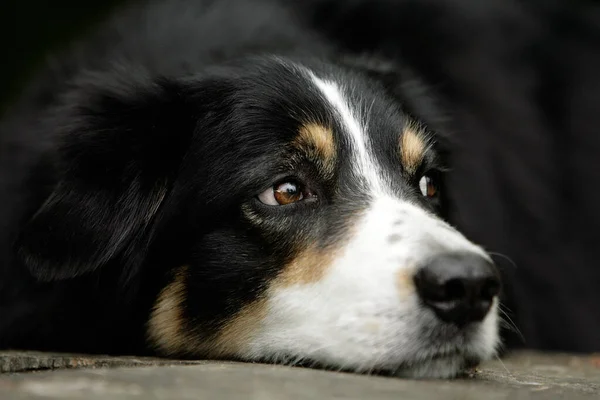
458	287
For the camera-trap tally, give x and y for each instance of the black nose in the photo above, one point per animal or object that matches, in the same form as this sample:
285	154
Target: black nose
459	287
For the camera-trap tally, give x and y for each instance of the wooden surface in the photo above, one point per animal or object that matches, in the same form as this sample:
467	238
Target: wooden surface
519	376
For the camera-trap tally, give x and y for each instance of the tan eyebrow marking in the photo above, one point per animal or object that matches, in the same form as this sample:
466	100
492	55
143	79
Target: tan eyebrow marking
316	141
413	145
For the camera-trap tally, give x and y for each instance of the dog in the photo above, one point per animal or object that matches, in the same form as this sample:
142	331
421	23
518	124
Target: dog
213	179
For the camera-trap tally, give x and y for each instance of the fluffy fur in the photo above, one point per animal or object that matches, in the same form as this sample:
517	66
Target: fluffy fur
141	215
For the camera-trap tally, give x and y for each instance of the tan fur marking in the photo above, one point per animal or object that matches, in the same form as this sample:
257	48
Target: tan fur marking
404	281
311	263
238	331
167	331
166	324
317	142
308	267
412	147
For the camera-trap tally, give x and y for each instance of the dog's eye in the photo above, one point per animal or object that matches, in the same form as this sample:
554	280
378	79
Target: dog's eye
428	186
284	193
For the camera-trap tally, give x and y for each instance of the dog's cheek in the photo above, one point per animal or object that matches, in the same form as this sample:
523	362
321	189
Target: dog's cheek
172	332
264	318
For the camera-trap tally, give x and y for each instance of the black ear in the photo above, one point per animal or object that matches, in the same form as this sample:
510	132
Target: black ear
122	139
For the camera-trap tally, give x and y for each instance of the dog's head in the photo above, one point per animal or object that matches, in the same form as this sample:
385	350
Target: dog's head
292	209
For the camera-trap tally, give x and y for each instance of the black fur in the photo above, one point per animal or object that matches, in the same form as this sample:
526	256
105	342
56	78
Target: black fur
136	153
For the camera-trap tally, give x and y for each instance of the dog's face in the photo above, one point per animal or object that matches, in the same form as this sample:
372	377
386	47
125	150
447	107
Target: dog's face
292	209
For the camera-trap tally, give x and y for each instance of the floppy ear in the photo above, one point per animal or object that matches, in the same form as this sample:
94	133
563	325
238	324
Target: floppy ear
121	142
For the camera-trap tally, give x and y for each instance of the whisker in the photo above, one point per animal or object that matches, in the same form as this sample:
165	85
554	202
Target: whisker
505	368
510	323
505	257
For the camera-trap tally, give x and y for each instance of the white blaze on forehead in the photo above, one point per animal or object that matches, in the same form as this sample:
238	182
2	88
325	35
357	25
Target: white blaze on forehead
349	117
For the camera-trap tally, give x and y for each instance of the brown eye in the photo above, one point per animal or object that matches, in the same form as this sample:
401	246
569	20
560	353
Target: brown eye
428	186
283	193
287	193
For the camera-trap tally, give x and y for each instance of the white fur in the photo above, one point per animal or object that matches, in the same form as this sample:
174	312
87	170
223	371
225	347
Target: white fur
358	316
361	315
365	166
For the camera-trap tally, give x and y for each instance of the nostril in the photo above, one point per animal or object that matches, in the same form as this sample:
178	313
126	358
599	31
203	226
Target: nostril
455	289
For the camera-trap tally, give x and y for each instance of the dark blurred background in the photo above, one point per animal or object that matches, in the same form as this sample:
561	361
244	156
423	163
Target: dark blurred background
31	29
